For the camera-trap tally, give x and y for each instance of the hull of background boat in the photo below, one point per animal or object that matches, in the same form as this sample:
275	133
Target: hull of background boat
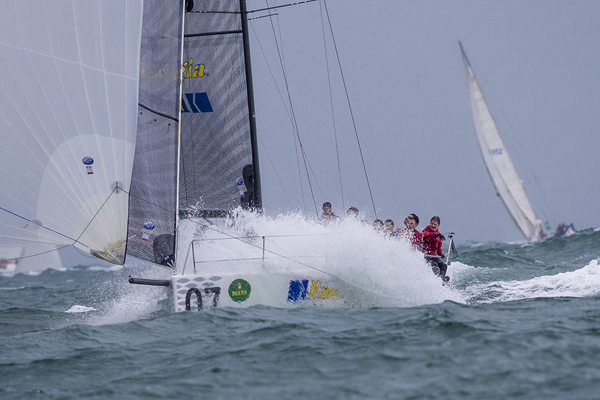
207	291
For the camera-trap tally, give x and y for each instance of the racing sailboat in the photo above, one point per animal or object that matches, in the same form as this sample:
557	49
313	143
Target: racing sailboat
499	165
128	131
208	157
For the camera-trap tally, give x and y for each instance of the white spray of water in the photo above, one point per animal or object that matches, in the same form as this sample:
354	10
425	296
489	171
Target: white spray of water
112	267
132	302
79	309
387	269
584	282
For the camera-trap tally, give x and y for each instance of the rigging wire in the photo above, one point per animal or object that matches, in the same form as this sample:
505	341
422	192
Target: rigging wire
337	153
274	170
287	112
248	243
295	123
38	254
284	105
314	176
350	106
115	190
41	226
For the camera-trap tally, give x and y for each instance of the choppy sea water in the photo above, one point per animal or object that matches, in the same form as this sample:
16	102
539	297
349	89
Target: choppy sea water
522	321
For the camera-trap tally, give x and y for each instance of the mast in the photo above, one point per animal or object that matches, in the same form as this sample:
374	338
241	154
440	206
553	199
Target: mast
257	200
183	11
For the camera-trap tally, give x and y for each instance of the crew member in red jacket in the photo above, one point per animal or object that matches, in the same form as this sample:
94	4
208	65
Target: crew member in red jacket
432	247
410	232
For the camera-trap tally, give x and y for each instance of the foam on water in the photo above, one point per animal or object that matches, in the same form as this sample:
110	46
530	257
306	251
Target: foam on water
378	272
111	267
131	302
79	309
388	270
583	282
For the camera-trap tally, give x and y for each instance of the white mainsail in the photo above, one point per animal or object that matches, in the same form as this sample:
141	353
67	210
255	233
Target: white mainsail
497	161
68	113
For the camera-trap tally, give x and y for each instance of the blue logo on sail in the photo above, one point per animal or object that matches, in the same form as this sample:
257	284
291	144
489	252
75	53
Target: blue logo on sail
149	225
87	160
195	103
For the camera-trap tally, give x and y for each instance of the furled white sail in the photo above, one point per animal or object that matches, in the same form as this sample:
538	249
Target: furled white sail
499	165
68	113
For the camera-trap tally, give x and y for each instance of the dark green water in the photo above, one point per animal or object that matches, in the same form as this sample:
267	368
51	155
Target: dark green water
529	328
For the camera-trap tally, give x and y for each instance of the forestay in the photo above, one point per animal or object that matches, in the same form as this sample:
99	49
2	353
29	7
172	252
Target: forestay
497	161
68	99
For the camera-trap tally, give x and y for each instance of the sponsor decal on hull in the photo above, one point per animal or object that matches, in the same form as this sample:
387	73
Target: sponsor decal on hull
310	289
239	290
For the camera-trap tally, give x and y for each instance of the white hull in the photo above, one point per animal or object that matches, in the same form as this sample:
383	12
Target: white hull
250	289
341	266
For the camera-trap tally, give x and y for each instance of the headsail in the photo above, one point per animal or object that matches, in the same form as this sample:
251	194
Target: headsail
153	203
497	161
68	100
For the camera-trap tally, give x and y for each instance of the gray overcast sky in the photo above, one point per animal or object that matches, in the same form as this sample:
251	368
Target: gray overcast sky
538	63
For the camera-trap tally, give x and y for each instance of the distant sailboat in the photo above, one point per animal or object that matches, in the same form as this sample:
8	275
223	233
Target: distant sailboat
29	259
502	172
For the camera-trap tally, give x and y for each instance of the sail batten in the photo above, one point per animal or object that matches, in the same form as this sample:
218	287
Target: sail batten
499	165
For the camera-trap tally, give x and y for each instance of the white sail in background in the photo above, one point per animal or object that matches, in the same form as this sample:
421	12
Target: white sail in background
498	163
29	259
68	113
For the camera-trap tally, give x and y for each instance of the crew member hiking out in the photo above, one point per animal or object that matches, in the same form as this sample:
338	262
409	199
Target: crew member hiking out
378	226
389	229
352	213
328	216
410	233
432	247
